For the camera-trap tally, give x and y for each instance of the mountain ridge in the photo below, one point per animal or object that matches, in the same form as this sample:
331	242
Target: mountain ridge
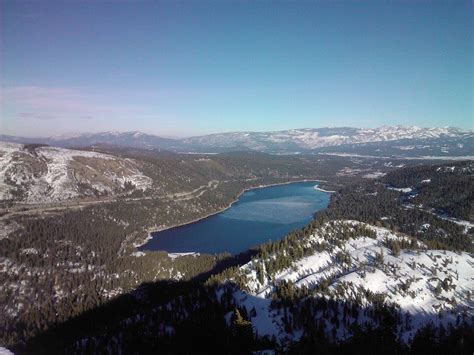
283	141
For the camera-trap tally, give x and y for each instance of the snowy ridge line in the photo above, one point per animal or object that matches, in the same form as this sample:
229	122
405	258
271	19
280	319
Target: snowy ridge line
292	140
309	138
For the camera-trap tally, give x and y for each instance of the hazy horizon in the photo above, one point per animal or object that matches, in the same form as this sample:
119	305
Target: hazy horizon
188	69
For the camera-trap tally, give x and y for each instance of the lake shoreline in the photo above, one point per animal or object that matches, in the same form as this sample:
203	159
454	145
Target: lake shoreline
152	230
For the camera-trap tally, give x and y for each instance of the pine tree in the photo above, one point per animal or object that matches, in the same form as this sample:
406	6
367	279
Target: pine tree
242	330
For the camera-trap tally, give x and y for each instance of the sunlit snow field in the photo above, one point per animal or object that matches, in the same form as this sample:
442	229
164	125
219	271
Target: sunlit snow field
258	216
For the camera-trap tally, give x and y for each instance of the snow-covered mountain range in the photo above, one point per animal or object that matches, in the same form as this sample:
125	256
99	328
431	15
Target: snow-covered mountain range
312	138
288	141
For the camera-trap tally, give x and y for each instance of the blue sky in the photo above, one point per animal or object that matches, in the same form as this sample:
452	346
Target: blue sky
190	68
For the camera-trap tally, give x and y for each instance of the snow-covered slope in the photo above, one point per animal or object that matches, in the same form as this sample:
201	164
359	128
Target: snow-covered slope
426	285
5	351
35	174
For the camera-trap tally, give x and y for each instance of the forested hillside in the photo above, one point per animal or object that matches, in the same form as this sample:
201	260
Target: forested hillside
373	270
81	252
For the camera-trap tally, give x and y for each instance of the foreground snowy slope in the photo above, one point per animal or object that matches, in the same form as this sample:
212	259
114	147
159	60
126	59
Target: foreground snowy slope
34	174
355	263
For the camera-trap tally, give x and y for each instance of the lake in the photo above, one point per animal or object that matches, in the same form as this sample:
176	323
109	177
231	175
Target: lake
259	215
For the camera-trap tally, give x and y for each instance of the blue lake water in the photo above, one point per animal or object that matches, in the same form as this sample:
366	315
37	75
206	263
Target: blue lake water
258	216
